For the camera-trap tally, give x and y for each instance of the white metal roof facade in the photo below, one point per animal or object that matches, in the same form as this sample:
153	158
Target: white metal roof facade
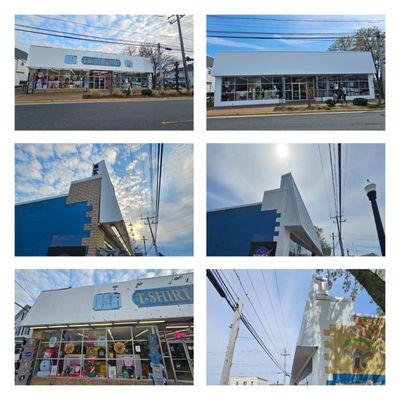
75	305
51	57
254	63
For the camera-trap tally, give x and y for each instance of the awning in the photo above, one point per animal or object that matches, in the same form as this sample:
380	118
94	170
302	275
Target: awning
302	356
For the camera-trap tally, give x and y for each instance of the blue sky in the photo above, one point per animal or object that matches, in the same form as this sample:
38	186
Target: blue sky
137	28
239	174
32	281
282	325
281	24
45	170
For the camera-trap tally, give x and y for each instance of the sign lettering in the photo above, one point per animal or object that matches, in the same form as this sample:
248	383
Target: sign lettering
107	62
163	296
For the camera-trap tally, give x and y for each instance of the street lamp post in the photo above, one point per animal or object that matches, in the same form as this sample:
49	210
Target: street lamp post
370	189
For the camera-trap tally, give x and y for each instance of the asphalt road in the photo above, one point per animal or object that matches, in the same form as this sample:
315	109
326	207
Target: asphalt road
299	122
115	115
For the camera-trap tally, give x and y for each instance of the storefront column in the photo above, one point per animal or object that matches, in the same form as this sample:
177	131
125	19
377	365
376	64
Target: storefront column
283	89
111	75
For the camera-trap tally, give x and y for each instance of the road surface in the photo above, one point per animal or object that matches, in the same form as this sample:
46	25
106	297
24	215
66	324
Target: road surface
106	115
365	120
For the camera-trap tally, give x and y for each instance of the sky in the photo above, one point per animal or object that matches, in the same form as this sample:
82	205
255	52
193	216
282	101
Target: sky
239	174
281	323
281	24
30	282
46	170
137	28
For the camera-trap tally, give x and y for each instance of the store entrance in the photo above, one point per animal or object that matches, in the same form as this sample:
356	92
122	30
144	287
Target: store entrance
182	360
98	80
299	91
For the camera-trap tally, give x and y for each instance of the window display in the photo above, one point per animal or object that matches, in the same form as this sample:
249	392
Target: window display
117	352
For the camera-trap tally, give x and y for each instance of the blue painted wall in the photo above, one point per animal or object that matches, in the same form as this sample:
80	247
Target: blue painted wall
50	222
360	379
231	231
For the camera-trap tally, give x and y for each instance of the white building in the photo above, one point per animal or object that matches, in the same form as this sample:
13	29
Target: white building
248	380
21	332
58	68
210	75
20	66
256	77
125	331
336	346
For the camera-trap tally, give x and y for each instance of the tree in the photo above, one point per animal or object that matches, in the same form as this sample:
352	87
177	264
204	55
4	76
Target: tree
367	39
326	248
355	280
150	50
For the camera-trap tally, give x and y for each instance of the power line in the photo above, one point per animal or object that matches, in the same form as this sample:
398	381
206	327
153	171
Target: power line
262	308
279	33
244	319
277	37
29	294
256	314
325	183
280	306
292	19
83	37
109	28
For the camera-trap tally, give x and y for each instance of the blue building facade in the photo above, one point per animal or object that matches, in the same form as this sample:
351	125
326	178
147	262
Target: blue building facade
242	231
85	222
49	224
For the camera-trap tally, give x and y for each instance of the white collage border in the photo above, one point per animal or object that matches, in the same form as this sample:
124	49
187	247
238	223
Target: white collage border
199	8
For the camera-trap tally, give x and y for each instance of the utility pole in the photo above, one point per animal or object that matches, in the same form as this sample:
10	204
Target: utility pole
185	69
284	355
160	70
153	238
340	200
231	344
333	244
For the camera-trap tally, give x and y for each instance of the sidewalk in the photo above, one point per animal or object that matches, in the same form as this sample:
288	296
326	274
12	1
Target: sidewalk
75	97
288	108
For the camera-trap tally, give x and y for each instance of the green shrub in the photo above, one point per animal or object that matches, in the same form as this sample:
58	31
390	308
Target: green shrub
330	103
360	101
147	92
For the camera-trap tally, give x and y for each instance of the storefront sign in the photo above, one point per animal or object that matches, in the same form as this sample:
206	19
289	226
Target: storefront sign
107	62
163	296
262	249
181	334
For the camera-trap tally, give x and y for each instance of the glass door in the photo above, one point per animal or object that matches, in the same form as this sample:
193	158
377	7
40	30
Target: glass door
299	91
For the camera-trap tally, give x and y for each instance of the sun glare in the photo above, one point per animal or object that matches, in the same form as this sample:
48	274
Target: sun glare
282	150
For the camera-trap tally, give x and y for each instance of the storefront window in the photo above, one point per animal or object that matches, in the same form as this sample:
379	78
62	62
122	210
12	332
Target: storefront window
114	352
351	85
107	301
296	249
41	79
251	88
53	79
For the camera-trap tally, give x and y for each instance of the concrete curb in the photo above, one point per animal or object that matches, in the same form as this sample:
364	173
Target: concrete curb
293	113
39	101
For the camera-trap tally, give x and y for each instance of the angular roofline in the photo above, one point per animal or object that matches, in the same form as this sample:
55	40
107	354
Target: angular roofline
232	207
117	283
